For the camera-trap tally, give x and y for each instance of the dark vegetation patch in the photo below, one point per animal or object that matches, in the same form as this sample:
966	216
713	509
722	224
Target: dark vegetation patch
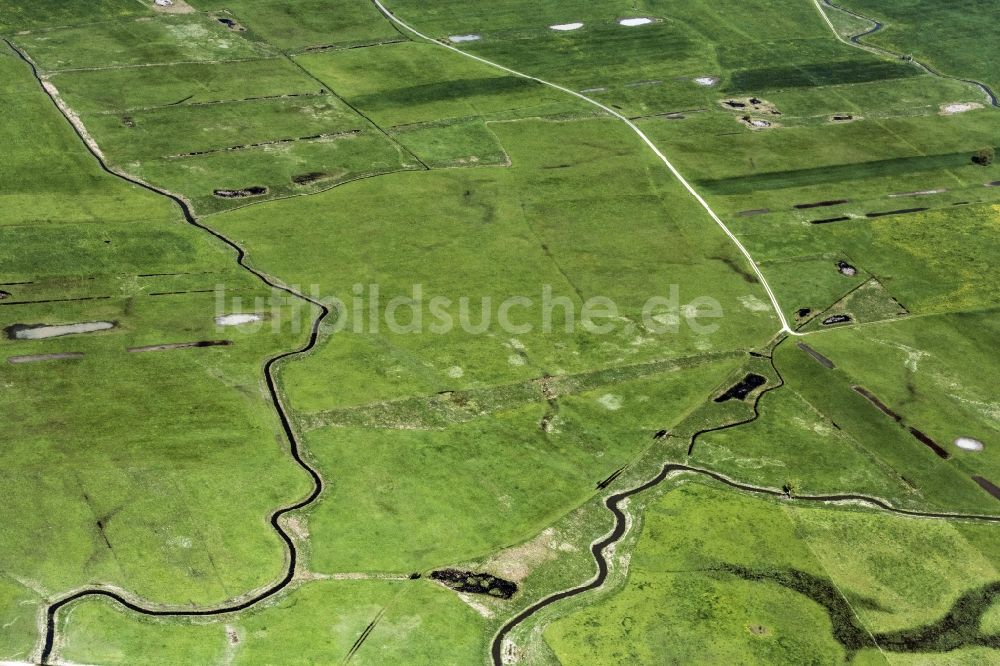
846	269
870	397
901	211
4	294
960	626
818	74
834	175
738	268
44	357
254	191
988	486
821	204
445	90
181	345
828	220
475	583
924	439
175	293
128	122
754	211
823	360
311	177
743	388
846	628
837	319
803	313
601	485
230	23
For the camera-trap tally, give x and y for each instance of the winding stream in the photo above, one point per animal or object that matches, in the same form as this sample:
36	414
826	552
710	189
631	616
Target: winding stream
877	26
613	504
269	365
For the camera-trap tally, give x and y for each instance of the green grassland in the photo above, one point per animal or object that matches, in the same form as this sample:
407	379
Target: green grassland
417	622
162	40
961	46
309	24
112	466
55	13
682	602
926	370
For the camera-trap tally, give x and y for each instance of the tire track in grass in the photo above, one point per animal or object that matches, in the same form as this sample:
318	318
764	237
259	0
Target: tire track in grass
293	442
785	328
669	469
878	26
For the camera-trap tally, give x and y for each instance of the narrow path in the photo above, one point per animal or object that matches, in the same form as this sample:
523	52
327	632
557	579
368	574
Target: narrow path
877	26
269	365
635	128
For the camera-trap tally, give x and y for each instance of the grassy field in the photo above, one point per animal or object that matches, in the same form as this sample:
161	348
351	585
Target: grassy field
346	157
416	622
806	585
961	46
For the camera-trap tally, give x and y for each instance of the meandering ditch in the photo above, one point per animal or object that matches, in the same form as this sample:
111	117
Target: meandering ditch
877	26
269	366
613	504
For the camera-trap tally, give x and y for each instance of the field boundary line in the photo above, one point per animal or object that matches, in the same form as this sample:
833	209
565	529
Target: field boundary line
785	328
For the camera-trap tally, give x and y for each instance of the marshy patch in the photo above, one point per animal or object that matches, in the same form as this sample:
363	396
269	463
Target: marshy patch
253	191
470	582
180	345
566	27
901	211
458	39
845	268
822	360
803	313
821	204
882	407
311	177
969	444
755	104
35	358
988	486
127	121
758	630
743	388
837	319
926	440
232	24
45	331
